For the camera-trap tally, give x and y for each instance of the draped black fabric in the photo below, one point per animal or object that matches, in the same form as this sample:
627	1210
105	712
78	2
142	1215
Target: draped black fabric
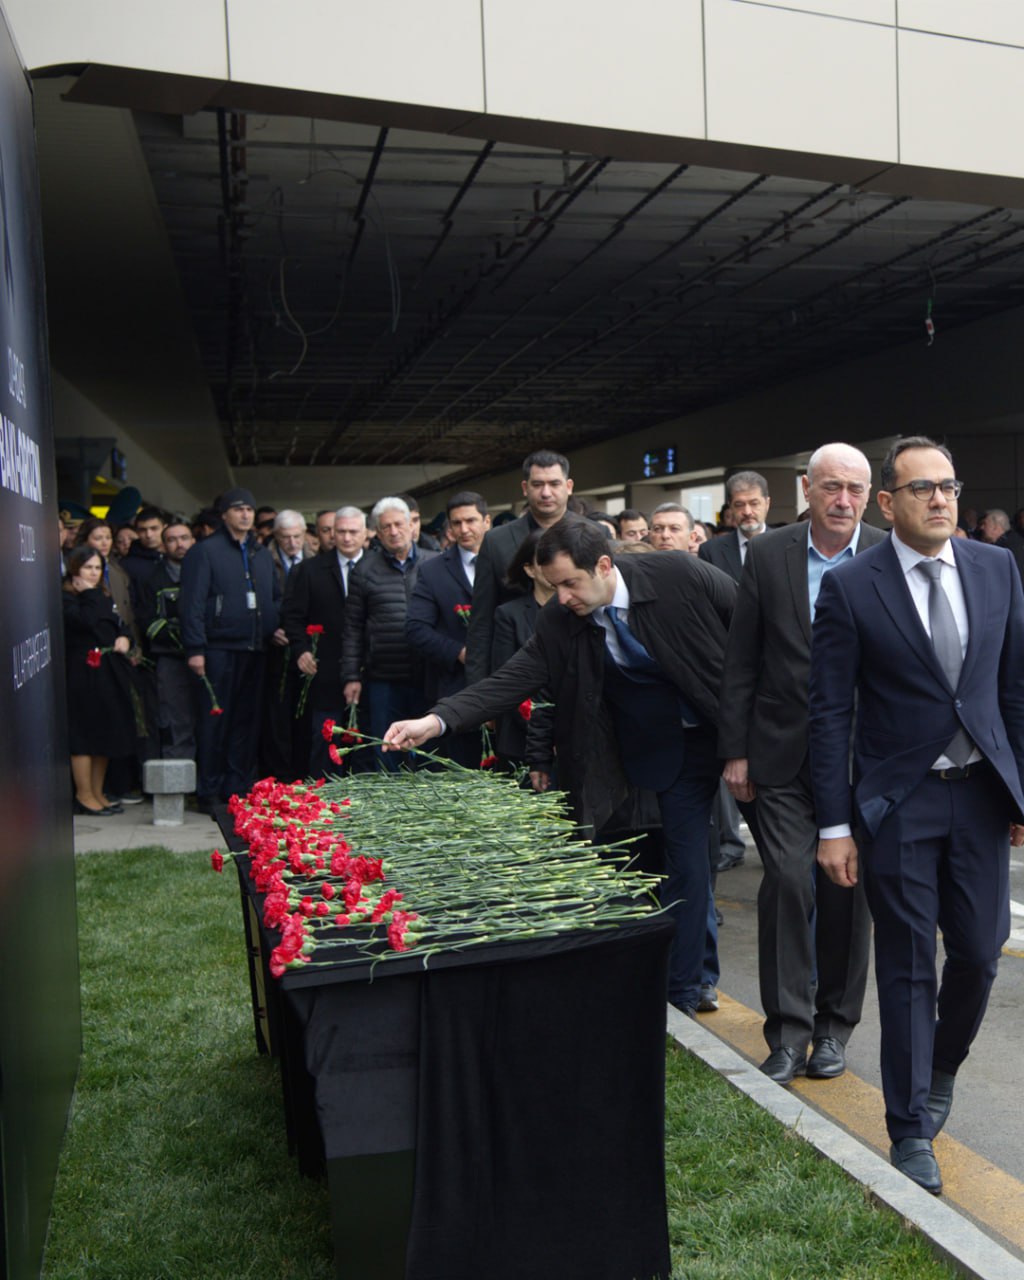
527	1077
540	1139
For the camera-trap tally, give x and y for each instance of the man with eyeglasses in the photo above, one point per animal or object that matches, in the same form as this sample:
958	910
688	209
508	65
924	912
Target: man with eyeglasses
812	937
919	651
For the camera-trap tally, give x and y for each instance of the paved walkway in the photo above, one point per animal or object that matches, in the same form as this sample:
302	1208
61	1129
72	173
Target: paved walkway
134	829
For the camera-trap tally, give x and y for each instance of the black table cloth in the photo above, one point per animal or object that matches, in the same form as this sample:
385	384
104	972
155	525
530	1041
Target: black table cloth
505	1106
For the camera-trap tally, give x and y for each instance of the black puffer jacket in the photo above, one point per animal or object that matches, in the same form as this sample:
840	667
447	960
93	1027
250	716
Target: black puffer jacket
374	646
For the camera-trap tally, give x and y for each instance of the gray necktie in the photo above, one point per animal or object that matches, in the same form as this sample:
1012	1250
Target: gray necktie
946	643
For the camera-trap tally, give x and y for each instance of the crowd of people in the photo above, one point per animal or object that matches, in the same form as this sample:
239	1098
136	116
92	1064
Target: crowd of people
686	675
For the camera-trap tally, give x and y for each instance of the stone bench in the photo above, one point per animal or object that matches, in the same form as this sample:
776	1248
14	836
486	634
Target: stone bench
168	782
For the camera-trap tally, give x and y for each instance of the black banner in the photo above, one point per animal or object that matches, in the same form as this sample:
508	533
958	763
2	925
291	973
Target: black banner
40	1022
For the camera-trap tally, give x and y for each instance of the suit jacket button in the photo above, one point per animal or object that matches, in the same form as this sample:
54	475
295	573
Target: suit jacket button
958	704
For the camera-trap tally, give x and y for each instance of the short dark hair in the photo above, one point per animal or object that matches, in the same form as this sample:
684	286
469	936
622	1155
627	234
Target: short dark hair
745	480
631	513
145	514
581	540
888	472
409	501
526	553
545	458
327	511
602	518
264	515
467	498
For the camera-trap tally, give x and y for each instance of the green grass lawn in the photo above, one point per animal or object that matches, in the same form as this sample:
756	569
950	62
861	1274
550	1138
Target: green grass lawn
175	1164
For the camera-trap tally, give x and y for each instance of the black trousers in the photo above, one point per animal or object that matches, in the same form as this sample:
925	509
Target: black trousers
226	744
813	937
941	860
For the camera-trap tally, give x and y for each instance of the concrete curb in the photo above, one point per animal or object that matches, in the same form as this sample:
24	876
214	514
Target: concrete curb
952	1236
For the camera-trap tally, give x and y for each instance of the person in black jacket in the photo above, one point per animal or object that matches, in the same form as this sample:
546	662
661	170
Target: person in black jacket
547	489
376	657
515	621
317	597
633	657
159	622
228	609
440	611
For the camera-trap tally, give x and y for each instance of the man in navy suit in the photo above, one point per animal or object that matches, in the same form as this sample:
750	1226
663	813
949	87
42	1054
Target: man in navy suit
437	622
919	647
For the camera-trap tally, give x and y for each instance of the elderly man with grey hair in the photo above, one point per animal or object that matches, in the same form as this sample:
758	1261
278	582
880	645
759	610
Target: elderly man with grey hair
671	527
318	597
283	750
377	660
812	936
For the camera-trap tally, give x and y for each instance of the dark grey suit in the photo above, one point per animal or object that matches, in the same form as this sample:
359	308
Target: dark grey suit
763	717
723	552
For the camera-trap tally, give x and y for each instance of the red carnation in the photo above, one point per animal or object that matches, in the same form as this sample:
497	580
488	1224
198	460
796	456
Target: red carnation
216	711
526	708
314	629
94	657
217	860
335	754
328	730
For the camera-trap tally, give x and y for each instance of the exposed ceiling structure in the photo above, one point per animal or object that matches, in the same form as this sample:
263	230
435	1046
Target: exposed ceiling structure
363	296
366	296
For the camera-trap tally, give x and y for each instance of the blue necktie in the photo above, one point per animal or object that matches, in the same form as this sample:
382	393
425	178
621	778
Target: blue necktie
636	656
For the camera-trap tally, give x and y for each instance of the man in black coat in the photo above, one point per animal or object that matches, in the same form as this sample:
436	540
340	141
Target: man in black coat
632	654
228	608
812	937
158	620
747	498
376	657
546	487
440	610
317	597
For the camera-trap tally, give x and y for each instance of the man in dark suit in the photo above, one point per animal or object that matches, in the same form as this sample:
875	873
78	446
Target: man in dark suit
316	597
439	614
747	497
919	649
546	487
806	930
632	656
283	750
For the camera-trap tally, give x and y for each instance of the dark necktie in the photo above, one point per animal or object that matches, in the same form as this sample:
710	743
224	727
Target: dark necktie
946	643
635	656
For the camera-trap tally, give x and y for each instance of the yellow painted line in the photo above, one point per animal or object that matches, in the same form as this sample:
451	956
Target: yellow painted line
990	1195
1009	951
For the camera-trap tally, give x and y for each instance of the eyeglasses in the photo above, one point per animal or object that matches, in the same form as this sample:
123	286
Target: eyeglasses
924	490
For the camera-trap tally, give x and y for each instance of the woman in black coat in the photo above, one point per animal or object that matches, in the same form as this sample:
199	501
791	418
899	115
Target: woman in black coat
96	644
514	623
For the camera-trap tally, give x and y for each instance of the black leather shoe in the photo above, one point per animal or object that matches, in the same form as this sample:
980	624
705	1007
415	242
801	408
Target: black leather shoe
827	1060
784	1063
940	1098
915	1158
687	1009
729	860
